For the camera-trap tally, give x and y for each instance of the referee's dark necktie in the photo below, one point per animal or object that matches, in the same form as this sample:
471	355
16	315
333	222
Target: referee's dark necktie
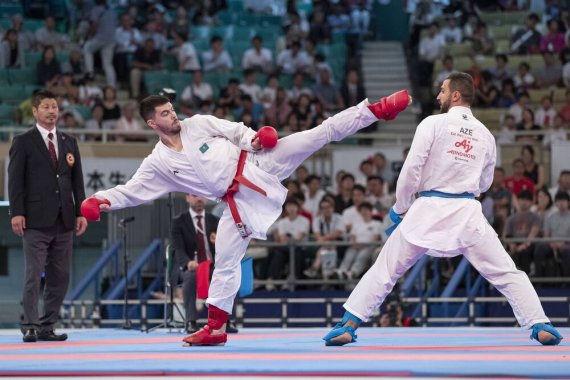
51	148
200	239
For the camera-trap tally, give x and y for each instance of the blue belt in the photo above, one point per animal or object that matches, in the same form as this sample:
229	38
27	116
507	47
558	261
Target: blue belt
441	194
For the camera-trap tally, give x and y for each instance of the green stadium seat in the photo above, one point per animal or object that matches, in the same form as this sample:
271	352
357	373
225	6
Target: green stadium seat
243	33
84	111
62	56
13	94
504	18
8	9
6	112
31	58
501	32
155	80
32	24
269	20
4	76
227	17
225	32
23	76
235	5
179	81
246	19
170	62
200	32
459	50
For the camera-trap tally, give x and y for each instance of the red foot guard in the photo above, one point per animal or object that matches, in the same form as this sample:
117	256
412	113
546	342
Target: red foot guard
206	337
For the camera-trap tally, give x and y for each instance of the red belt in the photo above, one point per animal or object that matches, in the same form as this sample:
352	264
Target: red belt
234	188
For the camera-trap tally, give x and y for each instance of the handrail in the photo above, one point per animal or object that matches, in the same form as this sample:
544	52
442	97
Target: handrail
136	269
456	278
93	273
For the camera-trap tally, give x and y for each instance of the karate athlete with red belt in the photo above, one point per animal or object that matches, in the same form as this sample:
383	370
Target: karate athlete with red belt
450	162
219	159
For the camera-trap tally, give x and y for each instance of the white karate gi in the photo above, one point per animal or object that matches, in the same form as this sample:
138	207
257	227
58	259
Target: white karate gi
206	167
452	153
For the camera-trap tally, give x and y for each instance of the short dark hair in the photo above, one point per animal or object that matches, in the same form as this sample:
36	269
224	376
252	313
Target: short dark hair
528	148
366	205
525	194
148	104
299	196
562	196
347	176
291	201
359	187
500	169
310	178
41	95
375	178
463	83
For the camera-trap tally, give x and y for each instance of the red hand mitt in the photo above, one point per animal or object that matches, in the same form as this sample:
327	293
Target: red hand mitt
90	208
267	137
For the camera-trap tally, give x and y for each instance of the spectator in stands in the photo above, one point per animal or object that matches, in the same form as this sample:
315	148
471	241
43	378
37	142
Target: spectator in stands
527	41
451	32
502	200
298	88
518	182
146	58
359	19
487	94
68	121
206	13
66	89
559	132
382	169
470	27
523	224
230	96
95	123
553	41
338	19
320	31
507	132
366	169
352	90
500	71
11	51
101	38
556	225
48	36
150	31
258	58
293	60
377	196
523	79
292	227
249	85
298	26
300	198
313	194
111	110
563	183
255	110
129	124
328	226
358	256
527	125
544	116
564	55
550	74
343	199
303	111
277	114
89	91
217	59
543	207
181	22
26	39
127	41
350	216
443	74
566	71
269	92
334	187
507	95
430	50
328	94
482	42
74	65
517	109
186	54
565	110
533	170
48	69
195	93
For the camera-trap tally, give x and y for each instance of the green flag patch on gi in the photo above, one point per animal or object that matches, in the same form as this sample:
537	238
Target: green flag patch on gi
204	148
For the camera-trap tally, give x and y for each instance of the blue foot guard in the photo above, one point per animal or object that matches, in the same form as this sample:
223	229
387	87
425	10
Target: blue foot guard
340	329
549	329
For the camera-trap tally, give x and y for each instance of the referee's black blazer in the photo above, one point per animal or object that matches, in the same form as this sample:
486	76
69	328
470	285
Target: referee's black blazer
184	237
36	189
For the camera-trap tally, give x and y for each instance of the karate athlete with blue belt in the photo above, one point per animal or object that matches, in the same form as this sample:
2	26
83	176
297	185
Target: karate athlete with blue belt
451	161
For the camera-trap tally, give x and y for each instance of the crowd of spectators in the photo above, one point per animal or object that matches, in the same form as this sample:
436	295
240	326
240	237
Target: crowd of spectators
117	45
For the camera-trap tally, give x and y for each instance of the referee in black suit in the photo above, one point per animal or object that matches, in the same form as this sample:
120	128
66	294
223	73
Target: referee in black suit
45	186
